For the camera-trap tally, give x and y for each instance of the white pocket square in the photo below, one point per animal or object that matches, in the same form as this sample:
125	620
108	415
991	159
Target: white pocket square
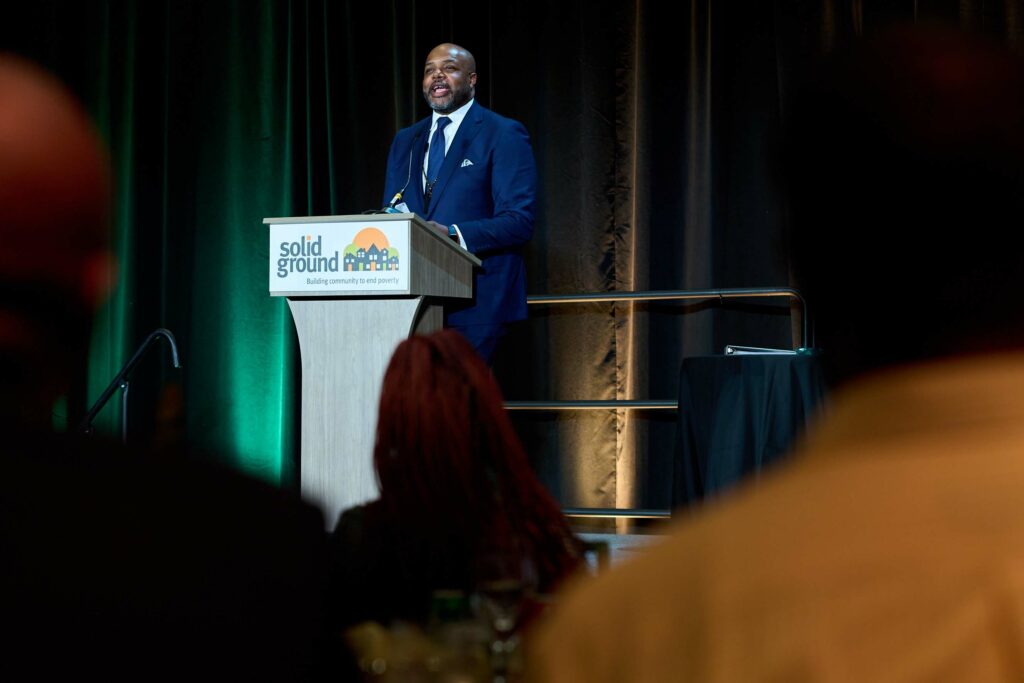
465	163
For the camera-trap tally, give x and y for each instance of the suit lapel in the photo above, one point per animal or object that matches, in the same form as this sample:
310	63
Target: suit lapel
414	194
468	130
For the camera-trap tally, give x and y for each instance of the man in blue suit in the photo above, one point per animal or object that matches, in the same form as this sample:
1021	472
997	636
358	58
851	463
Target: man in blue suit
470	173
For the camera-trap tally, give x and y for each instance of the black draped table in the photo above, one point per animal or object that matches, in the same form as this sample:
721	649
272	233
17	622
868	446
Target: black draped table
738	413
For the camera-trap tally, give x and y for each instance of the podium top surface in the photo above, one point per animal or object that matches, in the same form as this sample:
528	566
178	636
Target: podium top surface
344	219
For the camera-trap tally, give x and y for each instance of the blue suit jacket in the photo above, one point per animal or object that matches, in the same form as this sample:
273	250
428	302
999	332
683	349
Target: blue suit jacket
487	187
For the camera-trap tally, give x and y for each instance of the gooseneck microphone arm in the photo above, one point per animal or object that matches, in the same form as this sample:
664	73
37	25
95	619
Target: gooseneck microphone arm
120	381
390	208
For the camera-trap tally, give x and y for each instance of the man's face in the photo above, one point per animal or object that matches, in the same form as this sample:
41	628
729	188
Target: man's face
448	79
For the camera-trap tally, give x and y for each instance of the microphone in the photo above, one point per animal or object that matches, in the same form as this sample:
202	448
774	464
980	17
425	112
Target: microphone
390	208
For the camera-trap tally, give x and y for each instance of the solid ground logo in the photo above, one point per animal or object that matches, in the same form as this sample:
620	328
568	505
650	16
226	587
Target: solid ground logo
305	256
370	251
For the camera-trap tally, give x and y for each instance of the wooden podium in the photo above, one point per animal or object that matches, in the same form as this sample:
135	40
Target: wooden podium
356	286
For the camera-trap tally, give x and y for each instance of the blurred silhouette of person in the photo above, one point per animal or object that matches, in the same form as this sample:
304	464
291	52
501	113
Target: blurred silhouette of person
114	565
54	200
459	504
890	546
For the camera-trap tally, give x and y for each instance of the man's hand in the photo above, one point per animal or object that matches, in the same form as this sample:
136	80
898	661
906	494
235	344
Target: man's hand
441	229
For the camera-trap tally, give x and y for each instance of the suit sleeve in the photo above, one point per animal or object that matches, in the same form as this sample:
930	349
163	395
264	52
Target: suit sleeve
513	192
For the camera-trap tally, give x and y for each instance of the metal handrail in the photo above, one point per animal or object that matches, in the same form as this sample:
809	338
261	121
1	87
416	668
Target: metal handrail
683	294
617	513
591	405
121	381
667	295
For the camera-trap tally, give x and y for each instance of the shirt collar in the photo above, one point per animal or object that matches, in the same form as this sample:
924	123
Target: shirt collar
456	116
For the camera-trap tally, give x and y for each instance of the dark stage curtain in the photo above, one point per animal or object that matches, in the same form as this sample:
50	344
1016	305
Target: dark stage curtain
655	127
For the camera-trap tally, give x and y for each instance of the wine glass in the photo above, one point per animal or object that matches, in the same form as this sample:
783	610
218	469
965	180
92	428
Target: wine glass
505	580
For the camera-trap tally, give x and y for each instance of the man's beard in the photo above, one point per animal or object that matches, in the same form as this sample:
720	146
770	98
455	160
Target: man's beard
454	100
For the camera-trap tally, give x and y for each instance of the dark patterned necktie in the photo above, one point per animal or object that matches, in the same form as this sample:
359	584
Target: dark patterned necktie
435	158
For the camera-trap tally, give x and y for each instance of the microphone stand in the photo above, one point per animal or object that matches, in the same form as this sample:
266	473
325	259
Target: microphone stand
390	208
121	381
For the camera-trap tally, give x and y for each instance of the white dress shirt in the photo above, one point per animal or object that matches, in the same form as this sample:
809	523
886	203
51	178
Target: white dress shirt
449	135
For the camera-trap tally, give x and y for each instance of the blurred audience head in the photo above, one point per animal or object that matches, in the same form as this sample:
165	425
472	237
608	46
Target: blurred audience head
449	461
54	204
906	164
116	564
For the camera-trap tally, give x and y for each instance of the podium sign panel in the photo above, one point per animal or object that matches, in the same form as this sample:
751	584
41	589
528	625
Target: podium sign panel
356	286
344	257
